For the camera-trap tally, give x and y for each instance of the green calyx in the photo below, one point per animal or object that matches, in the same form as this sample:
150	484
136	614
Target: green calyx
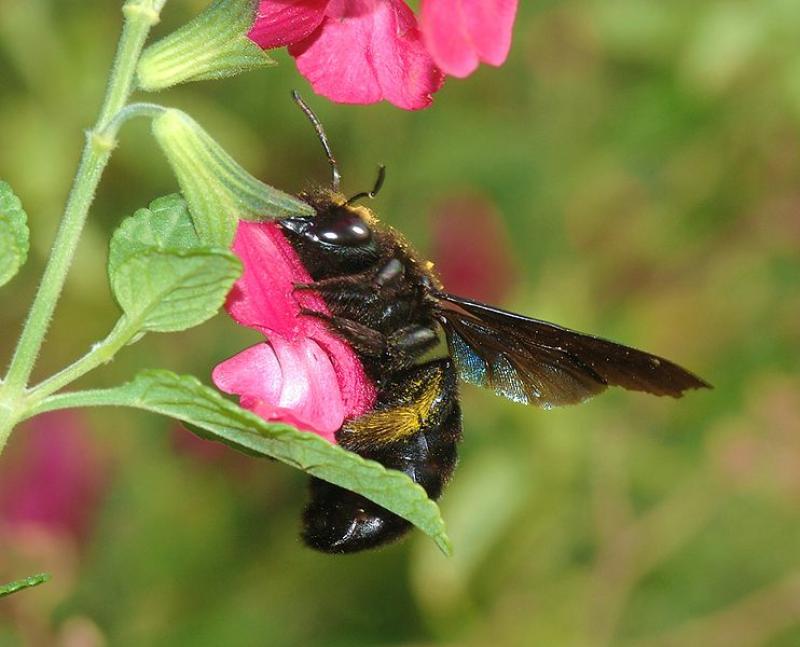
218	190
212	46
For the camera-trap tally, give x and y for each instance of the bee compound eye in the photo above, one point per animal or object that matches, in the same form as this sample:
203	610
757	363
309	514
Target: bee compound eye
343	228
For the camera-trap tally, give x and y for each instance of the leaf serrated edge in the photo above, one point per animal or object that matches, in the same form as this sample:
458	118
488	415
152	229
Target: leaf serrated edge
438	533
234	268
12	212
124	234
253	432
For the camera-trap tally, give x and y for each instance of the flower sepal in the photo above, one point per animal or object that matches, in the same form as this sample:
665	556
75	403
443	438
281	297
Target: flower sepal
214	45
219	191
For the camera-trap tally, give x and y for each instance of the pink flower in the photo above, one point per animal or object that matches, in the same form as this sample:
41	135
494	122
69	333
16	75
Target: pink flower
364	51
460	34
52	478
302	374
472	223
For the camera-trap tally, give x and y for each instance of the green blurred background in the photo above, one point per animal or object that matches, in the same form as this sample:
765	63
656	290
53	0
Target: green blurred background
643	157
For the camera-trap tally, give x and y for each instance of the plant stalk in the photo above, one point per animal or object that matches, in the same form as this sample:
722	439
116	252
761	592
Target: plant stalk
140	16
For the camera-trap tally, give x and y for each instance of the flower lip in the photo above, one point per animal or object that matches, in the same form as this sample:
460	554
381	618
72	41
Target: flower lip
302	374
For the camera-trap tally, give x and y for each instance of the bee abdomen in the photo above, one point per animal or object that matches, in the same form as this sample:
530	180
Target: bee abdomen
339	521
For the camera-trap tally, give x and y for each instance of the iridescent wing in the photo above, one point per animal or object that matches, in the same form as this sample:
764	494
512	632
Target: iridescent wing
539	363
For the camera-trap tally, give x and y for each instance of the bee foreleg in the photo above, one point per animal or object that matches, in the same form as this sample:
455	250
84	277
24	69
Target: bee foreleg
335	283
362	338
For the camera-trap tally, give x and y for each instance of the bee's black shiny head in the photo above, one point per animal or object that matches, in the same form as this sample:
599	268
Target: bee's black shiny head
337	227
339	521
337	240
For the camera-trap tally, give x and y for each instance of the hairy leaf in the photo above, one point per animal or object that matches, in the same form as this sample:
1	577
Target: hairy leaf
161	276
185	398
13	234
165	224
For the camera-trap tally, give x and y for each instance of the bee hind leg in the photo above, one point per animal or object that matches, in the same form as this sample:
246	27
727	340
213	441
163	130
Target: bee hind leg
408	344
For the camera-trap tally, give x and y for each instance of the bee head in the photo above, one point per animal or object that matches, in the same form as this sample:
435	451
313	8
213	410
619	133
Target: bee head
338	239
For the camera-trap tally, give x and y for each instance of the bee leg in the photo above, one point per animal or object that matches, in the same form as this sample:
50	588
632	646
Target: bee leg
413	400
408	344
363	339
390	274
335	282
414	429
304	286
348	298
309	312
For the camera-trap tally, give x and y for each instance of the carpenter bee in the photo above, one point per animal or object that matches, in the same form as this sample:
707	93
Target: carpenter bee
389	305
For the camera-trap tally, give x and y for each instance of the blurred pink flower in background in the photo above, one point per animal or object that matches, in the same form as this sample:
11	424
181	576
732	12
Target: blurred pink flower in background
760	448
52	477
52	482
364	51
185	443
471	250
210	453
303	374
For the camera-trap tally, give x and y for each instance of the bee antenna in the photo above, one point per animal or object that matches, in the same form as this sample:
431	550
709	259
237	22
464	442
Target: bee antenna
370	194
323	138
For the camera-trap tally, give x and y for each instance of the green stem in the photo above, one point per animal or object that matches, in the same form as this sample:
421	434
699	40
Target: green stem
140	16
78	399
100	354
135	110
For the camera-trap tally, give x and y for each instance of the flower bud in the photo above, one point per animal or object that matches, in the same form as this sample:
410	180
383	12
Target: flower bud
218	190
212	46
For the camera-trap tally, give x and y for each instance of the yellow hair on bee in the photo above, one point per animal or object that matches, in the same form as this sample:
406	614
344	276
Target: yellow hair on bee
392	425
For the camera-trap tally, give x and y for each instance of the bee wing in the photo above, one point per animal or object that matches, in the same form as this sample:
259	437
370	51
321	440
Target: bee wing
536	362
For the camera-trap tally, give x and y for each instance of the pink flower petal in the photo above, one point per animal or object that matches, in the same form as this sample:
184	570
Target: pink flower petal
264	296
304	374
358	393
281	22
459	34
366	51
254	372
292	382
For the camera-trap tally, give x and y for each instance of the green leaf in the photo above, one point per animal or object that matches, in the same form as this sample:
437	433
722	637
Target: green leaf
212	46
167	291
165	224
28	582
219	191
185	398
14	242
163	278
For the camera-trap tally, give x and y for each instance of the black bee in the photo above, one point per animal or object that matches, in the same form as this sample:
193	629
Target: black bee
391	308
